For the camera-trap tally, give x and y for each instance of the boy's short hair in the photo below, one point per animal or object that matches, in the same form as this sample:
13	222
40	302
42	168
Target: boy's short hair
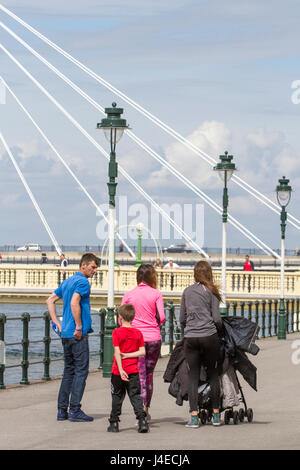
127	312
88	258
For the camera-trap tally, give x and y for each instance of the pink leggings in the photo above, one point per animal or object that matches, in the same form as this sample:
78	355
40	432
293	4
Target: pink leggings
147	364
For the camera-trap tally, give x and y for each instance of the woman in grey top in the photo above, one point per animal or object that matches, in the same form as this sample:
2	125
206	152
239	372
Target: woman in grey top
200	317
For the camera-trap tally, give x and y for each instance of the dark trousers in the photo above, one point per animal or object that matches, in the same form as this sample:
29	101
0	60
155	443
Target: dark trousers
76	357
118	391
202	351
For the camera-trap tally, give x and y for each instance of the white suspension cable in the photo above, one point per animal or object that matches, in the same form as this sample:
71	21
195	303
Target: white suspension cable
247	187
29	192
143	145
65	164
90	138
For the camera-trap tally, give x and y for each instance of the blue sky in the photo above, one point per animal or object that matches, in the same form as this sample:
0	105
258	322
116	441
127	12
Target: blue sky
220	73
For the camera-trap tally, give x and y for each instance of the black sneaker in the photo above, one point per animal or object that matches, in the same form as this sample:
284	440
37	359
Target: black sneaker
113	427
62	415
79	416
143	426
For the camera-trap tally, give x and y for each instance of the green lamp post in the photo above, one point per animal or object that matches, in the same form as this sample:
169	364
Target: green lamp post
113	126
283	192
139	228
225	169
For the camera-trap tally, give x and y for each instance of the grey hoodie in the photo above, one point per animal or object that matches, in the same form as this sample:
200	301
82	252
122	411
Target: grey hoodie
199	312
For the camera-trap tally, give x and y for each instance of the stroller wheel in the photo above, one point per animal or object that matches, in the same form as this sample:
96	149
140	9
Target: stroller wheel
227	417
241	414
203	416
250	415
235	417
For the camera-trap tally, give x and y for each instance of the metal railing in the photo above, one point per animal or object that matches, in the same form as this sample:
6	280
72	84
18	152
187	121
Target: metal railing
262	312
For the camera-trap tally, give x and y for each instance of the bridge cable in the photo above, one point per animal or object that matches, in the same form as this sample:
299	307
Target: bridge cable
65	164
93	141
33	200
142	144
239	181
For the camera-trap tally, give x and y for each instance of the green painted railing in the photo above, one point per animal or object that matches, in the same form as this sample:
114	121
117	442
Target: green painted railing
262	312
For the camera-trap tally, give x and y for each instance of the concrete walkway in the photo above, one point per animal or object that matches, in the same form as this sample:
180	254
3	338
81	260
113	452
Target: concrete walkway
28	414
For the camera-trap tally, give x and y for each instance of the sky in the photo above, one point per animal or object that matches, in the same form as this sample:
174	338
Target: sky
222	74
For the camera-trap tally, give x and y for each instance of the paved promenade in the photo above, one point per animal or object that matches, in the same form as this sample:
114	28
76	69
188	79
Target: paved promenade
28	414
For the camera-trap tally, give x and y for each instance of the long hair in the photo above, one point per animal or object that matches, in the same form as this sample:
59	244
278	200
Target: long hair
203	274
146	273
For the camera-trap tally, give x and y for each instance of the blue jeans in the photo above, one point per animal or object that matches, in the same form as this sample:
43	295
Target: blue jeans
76	356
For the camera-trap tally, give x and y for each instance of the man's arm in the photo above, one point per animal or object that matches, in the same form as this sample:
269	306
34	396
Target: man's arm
76	312
123	374
52	309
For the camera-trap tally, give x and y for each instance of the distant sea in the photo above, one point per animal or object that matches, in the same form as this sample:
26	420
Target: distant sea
14	334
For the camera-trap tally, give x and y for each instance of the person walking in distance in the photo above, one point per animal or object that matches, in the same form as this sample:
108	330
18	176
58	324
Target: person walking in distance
200	317
63	264
128	347
76	324
149	315
248	266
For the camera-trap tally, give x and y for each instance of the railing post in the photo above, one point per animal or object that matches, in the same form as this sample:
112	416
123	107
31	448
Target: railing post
250	310
2	339
102	313
171	326
47	341
287	308
292	316
275	316
108	353
270	317
263	319
25	346
234	308
256	311
297	308
242	304
172	281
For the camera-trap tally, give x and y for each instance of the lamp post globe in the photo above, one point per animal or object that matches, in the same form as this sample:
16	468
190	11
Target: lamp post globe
113	126
225	169
283	194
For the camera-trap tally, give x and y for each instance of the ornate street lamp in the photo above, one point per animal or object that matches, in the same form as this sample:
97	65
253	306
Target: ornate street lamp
139	229
113	126
283	193
225	169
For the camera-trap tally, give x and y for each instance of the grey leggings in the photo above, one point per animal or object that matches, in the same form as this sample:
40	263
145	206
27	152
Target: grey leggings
202	351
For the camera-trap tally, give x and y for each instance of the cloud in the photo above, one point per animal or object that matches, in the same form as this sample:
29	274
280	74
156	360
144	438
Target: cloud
213	138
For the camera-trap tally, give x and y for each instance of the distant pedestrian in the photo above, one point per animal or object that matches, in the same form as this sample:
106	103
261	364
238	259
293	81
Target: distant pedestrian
121	247
158	263
63	264
76	324
149	315
63	261
128	347
248	265
171	265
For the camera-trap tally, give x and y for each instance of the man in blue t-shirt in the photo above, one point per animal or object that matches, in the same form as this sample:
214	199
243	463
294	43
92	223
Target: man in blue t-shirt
76	324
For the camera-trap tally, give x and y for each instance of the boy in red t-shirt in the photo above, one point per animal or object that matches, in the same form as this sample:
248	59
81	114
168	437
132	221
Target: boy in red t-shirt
128	346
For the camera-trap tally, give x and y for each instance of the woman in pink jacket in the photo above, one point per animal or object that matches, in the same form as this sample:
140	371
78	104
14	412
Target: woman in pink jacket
149	315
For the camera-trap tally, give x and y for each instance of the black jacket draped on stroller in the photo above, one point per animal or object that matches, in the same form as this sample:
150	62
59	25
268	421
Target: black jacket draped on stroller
238	339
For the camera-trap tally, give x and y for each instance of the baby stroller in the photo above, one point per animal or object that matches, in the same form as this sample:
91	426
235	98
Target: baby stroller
234	398
239	339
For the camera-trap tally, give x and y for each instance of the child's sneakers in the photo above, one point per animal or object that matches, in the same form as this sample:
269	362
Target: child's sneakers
193	423
216	419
